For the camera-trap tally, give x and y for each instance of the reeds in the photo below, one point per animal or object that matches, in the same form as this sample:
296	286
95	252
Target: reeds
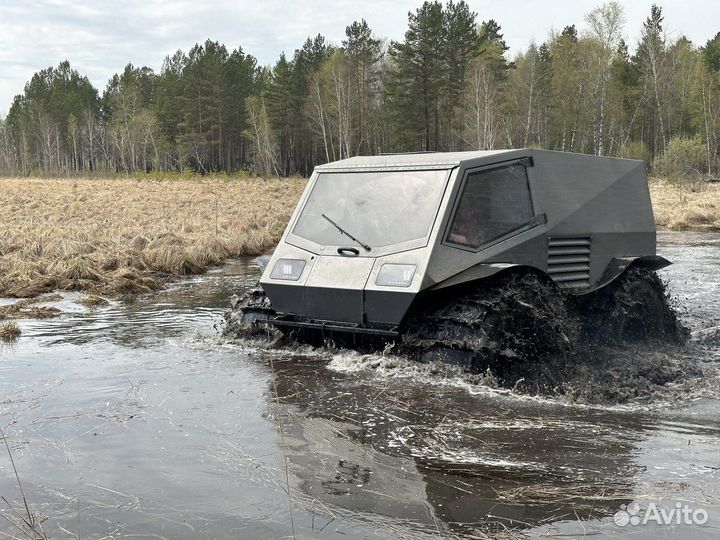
126	236
686	206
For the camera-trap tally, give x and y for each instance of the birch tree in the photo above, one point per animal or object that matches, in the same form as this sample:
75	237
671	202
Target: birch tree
606	24
651	59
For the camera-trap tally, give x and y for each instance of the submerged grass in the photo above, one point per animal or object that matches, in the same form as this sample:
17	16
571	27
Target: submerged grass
686	206
91	301
126	236
9	332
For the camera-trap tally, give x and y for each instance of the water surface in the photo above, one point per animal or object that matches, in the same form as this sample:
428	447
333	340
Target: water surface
139	421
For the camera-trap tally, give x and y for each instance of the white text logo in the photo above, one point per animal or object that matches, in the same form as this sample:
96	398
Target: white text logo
680	514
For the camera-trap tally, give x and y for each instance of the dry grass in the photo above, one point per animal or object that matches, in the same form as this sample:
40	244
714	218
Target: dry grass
23	521
9	332
686	207
91	301
27	308
125	236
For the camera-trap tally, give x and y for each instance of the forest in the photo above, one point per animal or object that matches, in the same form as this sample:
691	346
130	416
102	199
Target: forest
448	85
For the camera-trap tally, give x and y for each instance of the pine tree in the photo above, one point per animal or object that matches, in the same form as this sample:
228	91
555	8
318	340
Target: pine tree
363	53
626	99
428	73
280	102
711	53
168	108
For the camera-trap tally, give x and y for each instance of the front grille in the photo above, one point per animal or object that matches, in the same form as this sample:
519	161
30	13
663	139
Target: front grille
568	260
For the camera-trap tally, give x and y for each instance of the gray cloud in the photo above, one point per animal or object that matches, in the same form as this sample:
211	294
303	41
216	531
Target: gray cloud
99	37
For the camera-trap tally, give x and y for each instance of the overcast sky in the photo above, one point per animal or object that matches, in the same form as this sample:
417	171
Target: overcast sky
100	37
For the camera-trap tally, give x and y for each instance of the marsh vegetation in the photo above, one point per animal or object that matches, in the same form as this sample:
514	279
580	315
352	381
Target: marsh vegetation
686	206
124	236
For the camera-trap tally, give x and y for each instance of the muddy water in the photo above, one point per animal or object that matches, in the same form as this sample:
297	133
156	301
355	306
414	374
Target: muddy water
137	420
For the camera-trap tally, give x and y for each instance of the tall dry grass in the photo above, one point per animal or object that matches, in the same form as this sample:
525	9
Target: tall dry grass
686	207
123	236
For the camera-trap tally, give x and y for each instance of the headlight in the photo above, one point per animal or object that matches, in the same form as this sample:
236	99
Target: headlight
290	269
395	275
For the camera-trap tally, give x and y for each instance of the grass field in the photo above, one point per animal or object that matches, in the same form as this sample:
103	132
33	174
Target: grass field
112	237
686	207
118	236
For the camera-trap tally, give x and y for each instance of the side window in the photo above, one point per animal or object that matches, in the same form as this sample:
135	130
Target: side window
493	203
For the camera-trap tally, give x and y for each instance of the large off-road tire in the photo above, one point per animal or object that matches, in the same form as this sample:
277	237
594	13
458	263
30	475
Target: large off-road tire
513	323
634	307
518	324
249	315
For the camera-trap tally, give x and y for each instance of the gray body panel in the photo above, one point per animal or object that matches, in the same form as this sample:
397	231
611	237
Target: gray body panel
590	218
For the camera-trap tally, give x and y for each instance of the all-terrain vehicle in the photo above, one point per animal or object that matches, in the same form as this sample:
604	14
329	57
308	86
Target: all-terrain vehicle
468	251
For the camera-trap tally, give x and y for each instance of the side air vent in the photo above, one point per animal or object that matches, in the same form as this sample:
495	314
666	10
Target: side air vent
569	260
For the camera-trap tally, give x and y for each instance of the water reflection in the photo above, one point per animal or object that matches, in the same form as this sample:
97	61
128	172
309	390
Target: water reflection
443	458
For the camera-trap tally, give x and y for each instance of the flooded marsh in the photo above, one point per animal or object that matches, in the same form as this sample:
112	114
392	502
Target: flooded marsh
137	419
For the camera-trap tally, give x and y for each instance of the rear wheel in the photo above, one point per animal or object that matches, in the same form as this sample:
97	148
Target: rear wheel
634	307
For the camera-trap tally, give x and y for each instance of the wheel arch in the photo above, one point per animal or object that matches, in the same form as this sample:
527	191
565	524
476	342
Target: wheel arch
614	269
480	272
619	265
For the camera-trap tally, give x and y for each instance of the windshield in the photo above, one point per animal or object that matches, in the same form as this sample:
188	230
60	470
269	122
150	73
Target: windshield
378	208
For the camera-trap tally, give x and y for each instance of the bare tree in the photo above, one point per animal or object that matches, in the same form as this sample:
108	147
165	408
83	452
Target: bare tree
606	24
481	104
340	80
652	56
262	136
317	100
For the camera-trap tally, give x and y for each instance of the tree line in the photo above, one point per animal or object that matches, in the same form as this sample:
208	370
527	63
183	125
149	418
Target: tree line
448	85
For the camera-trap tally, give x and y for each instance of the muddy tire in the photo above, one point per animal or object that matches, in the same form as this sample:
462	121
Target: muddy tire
634	307
249	317
515	323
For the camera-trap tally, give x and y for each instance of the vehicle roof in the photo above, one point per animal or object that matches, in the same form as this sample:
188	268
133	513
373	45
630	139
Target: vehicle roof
421	160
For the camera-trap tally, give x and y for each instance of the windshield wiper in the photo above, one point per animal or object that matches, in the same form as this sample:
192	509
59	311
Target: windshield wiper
343	231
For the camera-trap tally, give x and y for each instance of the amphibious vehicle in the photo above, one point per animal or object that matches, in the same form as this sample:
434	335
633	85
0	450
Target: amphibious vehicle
380	245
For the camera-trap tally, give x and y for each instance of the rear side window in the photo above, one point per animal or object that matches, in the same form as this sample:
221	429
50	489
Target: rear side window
493	203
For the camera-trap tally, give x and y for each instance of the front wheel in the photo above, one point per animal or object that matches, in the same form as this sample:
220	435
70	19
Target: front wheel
514	323
249	317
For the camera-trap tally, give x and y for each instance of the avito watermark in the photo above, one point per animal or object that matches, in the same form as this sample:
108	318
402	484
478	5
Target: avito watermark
679	514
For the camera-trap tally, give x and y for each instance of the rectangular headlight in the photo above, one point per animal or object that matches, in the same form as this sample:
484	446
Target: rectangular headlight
395	275
290	269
